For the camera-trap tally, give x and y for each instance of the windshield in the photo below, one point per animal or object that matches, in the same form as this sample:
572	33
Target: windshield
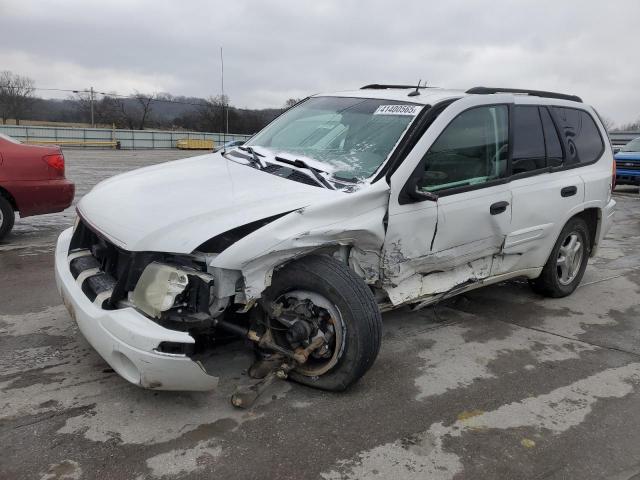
632	146
353	135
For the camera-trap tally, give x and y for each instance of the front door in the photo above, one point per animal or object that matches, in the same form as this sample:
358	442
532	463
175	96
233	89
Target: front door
433	246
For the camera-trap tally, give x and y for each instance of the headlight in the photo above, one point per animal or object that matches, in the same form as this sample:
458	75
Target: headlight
158	287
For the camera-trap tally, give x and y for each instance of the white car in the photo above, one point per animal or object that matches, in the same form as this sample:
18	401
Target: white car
346	205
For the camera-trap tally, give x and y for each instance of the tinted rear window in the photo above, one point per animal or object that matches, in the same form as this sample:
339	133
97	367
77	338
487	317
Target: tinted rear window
551	139
584	143
528	140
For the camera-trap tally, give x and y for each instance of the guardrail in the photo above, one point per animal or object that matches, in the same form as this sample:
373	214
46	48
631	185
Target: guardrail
144	139
111	137
620	139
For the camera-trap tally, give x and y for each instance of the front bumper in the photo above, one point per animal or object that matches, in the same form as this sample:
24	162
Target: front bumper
126	339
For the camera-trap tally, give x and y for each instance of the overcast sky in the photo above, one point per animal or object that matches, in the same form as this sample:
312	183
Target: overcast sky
279	49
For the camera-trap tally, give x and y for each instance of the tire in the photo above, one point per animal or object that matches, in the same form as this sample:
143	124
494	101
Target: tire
7	217
360	317
558	281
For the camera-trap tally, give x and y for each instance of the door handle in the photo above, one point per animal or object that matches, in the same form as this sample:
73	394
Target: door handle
498	207
569	191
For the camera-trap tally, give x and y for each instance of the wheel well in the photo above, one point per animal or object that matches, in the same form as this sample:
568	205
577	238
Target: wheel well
8	196
592	217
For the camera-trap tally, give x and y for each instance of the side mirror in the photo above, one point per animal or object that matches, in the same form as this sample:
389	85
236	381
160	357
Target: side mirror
415	193
411	192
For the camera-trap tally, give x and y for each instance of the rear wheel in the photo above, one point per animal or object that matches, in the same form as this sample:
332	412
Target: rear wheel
7	217
320	299
568	260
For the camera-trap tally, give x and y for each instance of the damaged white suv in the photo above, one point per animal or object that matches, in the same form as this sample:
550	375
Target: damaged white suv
346	205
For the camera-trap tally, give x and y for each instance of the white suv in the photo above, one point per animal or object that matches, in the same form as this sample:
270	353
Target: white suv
346	205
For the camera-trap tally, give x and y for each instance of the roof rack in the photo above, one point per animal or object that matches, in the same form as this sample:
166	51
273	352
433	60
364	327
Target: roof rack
380	86
534	93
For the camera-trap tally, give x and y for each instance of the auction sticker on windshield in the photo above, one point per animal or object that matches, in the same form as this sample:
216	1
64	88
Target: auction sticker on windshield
398	110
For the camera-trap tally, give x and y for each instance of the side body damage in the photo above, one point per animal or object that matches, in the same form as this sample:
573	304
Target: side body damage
299	239
349	226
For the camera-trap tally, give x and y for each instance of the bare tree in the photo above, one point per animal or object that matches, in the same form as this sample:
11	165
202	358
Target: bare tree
127	115
291	102
5	82
106	110
144	102
609	124
16	95
630	127
212	113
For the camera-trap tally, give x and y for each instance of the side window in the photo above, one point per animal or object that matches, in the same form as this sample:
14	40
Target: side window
582	137
551	139
528	140
472	149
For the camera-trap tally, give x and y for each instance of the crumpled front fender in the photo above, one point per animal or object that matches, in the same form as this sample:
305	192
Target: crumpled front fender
353	220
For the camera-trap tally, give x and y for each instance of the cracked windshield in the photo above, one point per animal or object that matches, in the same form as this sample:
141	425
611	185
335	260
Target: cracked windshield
353	135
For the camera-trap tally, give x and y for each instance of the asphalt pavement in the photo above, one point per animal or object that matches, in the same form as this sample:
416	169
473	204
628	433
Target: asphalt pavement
496	383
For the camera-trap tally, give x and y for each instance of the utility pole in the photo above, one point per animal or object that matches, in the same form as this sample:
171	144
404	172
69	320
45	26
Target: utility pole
91	93
225	108
93	125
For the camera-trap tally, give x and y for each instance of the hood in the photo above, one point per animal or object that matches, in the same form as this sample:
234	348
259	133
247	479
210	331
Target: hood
176	206
627	156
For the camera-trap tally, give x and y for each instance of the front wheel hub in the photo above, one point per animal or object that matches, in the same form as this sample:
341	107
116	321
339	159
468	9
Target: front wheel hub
299	331
312	324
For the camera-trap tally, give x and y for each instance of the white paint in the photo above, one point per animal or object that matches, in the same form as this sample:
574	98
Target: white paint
423	456
179	205
453	362
165	417
181	461
65	470
587	310
562	408
419	458
46	321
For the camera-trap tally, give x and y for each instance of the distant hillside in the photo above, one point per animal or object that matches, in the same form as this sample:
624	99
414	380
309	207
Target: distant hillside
162	112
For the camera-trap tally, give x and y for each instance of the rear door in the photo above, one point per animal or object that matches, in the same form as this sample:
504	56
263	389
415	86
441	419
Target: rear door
545	192
435	246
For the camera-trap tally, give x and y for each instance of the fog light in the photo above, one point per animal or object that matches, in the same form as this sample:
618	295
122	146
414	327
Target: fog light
158	287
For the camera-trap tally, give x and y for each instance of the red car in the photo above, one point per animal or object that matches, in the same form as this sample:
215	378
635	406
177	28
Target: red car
32	181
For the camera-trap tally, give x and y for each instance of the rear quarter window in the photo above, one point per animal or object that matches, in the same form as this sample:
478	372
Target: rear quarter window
581	135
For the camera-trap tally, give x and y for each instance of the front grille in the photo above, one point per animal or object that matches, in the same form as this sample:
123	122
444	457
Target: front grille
104	272
627	165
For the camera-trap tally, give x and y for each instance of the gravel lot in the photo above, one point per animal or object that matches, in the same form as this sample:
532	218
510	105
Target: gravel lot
496	383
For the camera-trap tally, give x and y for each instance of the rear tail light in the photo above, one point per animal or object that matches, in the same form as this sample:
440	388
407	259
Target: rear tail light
613	176
55	162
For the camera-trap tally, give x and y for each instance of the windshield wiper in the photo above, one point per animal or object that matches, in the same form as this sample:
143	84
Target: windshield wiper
304	165
254	156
